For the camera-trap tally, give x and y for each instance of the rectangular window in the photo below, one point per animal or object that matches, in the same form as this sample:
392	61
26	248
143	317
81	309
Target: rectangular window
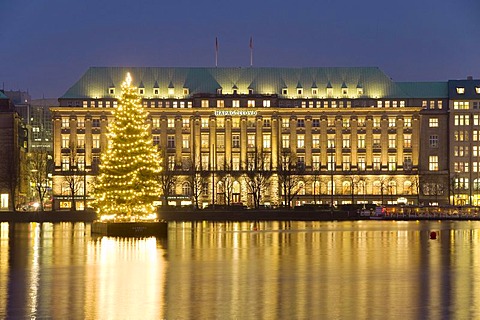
220	141
220	103
376	122
170	141
361	121
267	144
156	140
185	141
475	135
346	123
407	141
236	161
461	105
316	123
346	162
433	163
266	123
171	123
65	163
392	122
251	140
316	162
285	123
285	141
407	122
236	141
204	140
96	141
377	141
156	122
236	104
205	161
251	103
433	122
266	103
65	141
300	141
81	141
65	122
376	162
346	141
171	163
433	141
392	141
361	141
392	163
361	163
316	141
204	122
331	162
205	104
80	122
331	141
301	123
186	123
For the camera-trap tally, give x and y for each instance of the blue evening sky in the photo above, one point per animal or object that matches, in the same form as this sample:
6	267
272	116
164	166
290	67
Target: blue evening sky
46	45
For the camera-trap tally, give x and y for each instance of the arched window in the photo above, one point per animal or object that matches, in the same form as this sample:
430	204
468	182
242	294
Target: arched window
301	188
236	187
362	187
316	187
407	187
392	187
330	185
377	187
220	186
186	190
346	187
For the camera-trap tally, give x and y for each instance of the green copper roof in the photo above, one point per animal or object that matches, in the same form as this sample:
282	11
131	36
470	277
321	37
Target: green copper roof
425	90
2	95
97	80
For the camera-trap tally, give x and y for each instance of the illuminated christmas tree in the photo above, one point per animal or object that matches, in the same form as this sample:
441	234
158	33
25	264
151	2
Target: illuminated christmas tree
128	181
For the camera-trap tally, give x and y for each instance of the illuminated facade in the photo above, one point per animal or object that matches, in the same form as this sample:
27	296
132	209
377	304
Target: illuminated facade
341	135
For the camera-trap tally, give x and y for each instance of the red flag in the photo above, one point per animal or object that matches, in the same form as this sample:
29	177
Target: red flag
216	44
251	43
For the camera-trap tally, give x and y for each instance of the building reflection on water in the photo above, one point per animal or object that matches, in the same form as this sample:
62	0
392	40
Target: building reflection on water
269	270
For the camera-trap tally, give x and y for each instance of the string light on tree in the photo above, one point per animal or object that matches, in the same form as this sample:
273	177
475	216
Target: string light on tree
127	184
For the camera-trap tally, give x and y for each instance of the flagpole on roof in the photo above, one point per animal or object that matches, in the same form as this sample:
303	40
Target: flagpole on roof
251	51
216	52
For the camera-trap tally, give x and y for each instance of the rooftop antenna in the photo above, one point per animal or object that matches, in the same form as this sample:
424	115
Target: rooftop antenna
251	51
216	52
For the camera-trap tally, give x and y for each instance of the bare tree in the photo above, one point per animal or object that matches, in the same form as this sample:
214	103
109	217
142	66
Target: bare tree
167	178
196	178
354	181
227	180
74	177
257	177
40	166
288	176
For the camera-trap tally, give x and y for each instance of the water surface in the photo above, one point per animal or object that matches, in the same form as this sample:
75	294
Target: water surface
268	270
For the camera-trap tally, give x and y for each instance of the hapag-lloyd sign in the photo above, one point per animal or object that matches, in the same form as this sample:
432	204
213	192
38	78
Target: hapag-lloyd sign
235	113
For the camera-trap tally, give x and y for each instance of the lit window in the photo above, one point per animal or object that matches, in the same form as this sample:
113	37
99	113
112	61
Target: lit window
407	141
433	141
331	141
439	104
81	141
329	92
376	122
376	141
392	141
251	140
186	141
361	141
407	122
361	163
220	122
433	163
266	141
65	122
171	123
402	104
170	141
461	105
236	103
205	104
96	141
360	91
285	122
387	104
316	163
266	123
80	122
346	141
316	141
186	91
346	162
220	141
204	123
285	141
251	103
392	122
220	103
300	141
433	122
376	163
266	103
204	140
236	141
65	141
477	90
460	90
379	104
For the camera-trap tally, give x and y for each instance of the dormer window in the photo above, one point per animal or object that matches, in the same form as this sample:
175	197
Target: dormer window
477	90
299	91
360	91
344	91
460	90
284	91
235	91
250	91
330	92
314	91
171	91
219	91
156	91
186	91
111	90
141	91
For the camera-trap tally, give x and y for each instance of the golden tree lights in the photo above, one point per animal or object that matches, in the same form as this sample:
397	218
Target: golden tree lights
127	184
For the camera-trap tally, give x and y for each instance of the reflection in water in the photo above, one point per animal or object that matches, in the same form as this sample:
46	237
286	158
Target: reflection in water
270	270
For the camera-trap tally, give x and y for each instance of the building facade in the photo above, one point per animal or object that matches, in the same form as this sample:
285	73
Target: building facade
313	135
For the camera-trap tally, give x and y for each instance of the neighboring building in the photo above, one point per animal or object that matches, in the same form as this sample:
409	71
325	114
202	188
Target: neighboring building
41	134
464	141
352	134
14	185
